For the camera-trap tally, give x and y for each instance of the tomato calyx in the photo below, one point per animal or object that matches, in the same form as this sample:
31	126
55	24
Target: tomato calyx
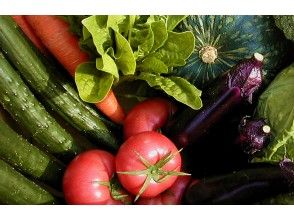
154	172
115	189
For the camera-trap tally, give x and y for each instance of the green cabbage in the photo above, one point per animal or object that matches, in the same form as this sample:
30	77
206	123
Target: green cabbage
276	105
286	24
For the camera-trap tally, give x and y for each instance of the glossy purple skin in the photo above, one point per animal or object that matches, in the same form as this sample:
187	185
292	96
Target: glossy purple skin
252	137
202	122
247	76
237	85
287	167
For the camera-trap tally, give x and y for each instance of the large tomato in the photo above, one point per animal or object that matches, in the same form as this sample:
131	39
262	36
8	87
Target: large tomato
147	164
149	115
87	179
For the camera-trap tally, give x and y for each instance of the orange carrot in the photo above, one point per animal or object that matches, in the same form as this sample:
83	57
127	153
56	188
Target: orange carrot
27	29
55	34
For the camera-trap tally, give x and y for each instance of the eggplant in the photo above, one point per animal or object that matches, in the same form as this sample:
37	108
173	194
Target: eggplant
287	167
234	88
254	135
245	186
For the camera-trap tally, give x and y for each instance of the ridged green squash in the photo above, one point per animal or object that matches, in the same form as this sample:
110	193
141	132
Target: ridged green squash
222	41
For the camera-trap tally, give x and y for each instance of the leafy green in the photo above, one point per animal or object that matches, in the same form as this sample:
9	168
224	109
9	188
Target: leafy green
276	105
173	21
281	199
131	92
176	87
92	87
137	47
125	59
286	24
177	48
106	64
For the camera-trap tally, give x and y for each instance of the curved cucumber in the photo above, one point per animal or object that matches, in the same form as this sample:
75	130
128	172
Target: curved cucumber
40	76
27	158
20	102
17	189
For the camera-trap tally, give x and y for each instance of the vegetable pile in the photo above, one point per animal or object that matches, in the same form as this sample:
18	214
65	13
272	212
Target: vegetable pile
146	110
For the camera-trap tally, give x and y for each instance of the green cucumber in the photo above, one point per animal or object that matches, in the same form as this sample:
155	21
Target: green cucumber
16	189
27	158
41	77
21	104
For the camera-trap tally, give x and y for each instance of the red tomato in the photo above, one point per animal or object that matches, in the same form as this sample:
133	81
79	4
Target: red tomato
147	157
171	196
87	178
149	115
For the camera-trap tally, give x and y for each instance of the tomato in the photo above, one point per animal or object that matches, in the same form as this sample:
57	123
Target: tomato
149	115
147	164
171	196
87	179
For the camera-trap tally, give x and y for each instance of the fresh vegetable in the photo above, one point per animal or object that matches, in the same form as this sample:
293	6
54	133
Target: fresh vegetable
89	180
64	45
254	135
242	187
17	189
27	158
39	74
237	86
286	24
55	35
147	164
281	199
22	105
136	48
287	167
172	196
222	41
27	29
276	106
130	93
149	115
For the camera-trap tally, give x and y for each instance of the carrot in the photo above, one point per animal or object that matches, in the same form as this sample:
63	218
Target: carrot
55	34
28	31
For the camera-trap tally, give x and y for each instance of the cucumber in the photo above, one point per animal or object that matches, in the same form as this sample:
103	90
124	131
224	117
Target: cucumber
41	77
20	102
27	158
16	189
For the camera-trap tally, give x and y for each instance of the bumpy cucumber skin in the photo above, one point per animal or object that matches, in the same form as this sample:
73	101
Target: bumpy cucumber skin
15	189
20	102
27	158
41	78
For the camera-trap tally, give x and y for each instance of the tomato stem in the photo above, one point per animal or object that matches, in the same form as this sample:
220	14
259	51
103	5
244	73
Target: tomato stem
154	172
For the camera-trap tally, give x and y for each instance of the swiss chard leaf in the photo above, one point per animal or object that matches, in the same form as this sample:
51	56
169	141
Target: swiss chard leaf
177	87
93	85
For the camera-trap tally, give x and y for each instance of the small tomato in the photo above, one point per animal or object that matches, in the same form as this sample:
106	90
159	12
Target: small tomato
88	179
149	115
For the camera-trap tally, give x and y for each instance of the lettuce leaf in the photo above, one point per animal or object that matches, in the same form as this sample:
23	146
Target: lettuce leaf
93	85
177	87
138	47
276	105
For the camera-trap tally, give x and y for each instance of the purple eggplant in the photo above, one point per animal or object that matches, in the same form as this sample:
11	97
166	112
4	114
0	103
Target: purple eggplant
246	186
234	88
287	167
254	135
